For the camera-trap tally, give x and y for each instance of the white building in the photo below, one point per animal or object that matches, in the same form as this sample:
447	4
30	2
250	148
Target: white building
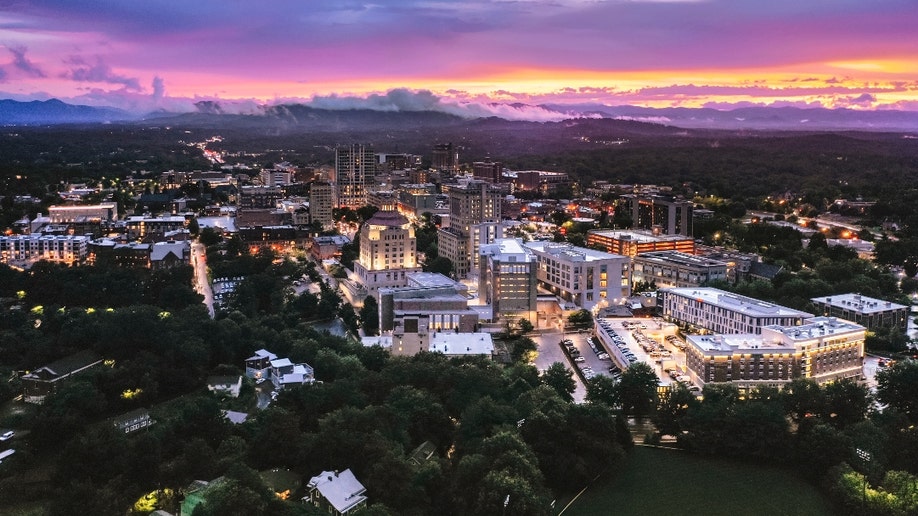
585	277
387	251
66	249
712	310
462	344
507	279
823	349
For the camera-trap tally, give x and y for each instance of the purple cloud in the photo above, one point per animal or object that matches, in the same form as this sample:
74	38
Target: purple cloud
21	63
99	72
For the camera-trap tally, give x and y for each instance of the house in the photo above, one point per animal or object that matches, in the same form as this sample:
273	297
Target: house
38	384
225	385
133	420
197	493
165	255
341	492
236	418
285	373
257	366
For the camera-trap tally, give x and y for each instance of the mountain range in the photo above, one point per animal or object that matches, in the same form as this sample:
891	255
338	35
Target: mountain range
281	116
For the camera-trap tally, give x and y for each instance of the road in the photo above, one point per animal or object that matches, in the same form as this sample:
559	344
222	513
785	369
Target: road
549	345
201	283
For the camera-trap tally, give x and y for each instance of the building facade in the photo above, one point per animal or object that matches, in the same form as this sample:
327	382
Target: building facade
355	167
474	220
823	349
321	204
711	310
582	276
675	269
866	311
633	242
672	216
67	249
507	279
490	171
445	158
388	251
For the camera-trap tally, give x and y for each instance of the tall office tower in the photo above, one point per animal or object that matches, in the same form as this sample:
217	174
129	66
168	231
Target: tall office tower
667	215
490	171
445	158
321	203
474	219
355	166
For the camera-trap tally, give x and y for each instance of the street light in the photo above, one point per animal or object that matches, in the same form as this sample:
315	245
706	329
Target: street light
865	456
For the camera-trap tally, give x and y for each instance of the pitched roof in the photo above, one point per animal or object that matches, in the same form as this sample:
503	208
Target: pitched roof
342	490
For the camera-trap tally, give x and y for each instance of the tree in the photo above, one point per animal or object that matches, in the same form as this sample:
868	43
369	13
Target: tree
193	227
439	264
561	380
897	386
603	389
580	318
670	413
846	403
638	388
209	236
525	326
803	398
369	316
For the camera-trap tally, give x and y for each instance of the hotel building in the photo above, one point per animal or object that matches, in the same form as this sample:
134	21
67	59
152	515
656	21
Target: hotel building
823	349
585	277
387	251
711	310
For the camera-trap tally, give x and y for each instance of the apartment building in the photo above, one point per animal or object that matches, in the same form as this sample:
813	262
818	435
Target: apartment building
866	311
676	269
711	310
584	277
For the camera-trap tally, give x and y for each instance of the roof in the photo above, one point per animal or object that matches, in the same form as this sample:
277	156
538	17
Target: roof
858	303
462	343
262	353
342	490
162	249
764	270
69	364
508	249
570	253
387	218
735	302
636	236
679	258
236	418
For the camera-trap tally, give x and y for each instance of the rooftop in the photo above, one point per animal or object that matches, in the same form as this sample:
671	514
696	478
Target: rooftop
568	252
637	236
679	258
462	343
342	490
859	303
736	302
508	250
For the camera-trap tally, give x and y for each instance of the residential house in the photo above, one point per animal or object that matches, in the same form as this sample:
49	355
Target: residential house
341	493
38	384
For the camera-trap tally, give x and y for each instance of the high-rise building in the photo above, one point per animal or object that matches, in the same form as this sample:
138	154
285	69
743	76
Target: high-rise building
321	203
445	158
490	171
355	167
667	215
474	219
388	251
507	279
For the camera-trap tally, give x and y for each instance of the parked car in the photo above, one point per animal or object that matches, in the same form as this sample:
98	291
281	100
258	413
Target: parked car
579	359
7	435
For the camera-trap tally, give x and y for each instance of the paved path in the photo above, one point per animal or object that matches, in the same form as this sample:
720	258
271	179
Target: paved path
201	283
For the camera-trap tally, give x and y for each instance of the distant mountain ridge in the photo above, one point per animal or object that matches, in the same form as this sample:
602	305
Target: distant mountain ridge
288	116
54	112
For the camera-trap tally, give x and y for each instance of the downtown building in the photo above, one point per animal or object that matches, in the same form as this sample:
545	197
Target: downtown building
321	204
355	168
387	252
635	242
507	279
474	220
866	311
823	349
711	310
584	277
26	249
674	269
670	215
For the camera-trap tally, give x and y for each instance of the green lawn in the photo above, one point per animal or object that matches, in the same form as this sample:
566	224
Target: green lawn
676	483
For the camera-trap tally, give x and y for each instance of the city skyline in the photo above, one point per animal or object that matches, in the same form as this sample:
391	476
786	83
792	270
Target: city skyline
463	57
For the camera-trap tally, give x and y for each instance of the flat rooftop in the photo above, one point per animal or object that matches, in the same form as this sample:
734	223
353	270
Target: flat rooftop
817	327
637	236
679	258
859	303
569	252
504	248
736	302
737	343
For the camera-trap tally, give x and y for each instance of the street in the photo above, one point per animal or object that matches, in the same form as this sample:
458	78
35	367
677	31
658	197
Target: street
201	284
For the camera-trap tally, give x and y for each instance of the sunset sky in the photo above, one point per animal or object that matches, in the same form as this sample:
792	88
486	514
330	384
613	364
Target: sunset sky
717	53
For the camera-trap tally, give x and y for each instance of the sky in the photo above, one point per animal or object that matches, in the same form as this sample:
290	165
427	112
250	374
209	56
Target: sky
463	56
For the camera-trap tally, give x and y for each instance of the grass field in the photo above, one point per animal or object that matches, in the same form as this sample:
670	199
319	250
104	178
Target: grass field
675	483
